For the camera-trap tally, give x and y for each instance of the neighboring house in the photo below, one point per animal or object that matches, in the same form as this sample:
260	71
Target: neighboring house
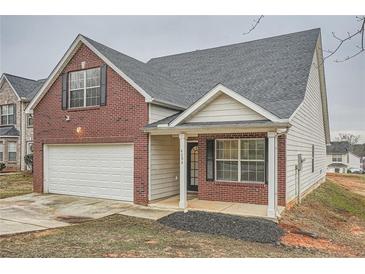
16	128
340	157
359	150
229	123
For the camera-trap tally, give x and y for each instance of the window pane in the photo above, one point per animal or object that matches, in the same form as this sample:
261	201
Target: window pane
260	154
227	170
76	80
244	171
4	120
12	156
252	171
77	98
227	149
260	144
10	109
11	119
93	77
92	96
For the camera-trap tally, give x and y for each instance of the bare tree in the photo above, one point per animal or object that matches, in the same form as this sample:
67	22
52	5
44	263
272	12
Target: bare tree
358	33
254	25
351	138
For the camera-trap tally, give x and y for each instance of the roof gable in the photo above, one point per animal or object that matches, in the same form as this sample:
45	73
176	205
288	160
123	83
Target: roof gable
219	90
224	108
24	88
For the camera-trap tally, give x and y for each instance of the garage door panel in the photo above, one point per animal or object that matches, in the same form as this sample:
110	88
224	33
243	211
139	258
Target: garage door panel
103	171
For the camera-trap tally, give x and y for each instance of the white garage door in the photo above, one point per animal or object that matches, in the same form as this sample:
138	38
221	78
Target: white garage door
102	171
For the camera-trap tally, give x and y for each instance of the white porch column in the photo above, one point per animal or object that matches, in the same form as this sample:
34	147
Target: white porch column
272	201
183	180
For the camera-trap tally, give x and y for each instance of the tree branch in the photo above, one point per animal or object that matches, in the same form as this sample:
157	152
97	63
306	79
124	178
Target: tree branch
255	23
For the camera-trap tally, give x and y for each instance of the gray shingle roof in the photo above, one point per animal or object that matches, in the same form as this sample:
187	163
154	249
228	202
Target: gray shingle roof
8	131
24	87
341	147
157	85
270	72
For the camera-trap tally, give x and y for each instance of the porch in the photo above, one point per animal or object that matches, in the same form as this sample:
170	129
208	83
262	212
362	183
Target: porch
232	168
193	203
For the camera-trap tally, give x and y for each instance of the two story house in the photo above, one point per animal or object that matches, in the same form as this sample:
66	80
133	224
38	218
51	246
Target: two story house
340	157
244	123
16	128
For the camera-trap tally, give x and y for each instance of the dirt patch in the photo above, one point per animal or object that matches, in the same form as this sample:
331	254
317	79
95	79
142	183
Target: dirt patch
73	219
354	183
44	233
297	240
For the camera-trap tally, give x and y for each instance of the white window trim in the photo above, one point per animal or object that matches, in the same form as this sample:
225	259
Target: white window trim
337	156
7	114
16	152
85	88
239	160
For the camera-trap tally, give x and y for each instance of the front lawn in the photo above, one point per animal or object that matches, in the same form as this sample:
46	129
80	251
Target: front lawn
332	213
15	184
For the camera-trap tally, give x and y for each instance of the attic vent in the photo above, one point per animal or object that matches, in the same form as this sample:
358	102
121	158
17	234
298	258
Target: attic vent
83	64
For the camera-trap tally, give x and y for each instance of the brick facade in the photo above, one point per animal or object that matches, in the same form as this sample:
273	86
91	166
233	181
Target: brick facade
120	121
254	193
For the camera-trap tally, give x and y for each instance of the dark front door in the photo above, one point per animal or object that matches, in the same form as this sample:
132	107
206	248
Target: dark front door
192	166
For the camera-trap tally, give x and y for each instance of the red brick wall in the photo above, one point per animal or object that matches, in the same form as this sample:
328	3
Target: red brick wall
121	120
254	193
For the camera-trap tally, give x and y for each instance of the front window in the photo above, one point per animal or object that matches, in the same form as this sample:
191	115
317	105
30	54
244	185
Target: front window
241	160
7	113
11	151
337	158
84	88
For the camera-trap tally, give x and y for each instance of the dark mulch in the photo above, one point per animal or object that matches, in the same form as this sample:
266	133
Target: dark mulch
243	228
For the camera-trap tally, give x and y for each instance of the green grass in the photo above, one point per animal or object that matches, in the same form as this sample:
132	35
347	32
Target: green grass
15	184
339	199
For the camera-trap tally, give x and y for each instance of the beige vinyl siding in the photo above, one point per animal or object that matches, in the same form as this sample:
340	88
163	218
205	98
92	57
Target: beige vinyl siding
165	170
307	130
158	112
225	108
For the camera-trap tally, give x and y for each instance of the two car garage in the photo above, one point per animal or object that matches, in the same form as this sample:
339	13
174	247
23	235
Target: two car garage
90	170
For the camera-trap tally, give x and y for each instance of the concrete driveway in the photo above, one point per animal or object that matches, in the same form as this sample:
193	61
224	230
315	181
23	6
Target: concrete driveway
37	212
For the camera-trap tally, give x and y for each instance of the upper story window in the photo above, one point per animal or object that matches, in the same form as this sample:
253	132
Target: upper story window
7	113
29	120
84	88
337	158
241	160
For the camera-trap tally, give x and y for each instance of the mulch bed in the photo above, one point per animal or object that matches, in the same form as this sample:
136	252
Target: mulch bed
242	228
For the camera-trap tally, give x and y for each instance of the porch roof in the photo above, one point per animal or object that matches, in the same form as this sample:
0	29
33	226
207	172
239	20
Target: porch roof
163	125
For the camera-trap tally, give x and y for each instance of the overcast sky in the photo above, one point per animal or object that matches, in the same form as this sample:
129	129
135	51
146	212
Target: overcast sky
31	46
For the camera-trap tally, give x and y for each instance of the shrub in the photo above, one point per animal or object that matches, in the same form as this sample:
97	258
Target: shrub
2	166
28	159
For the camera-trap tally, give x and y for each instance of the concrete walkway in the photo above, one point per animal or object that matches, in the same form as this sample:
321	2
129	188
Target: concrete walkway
37	212
240	209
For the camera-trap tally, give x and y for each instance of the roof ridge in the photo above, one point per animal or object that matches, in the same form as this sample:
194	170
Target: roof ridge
230	45
20	77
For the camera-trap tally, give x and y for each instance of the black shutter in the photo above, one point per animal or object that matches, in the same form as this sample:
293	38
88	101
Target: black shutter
266	161
64	90
210	160
103	85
